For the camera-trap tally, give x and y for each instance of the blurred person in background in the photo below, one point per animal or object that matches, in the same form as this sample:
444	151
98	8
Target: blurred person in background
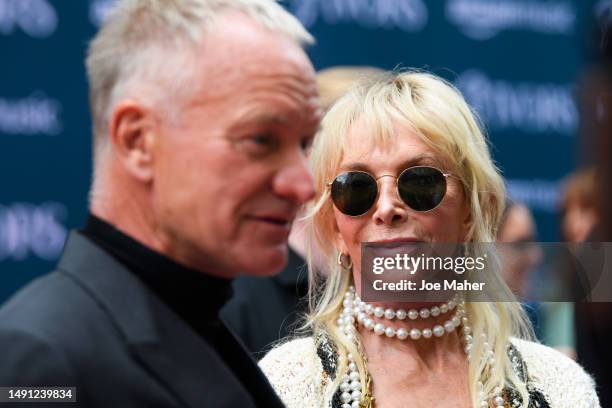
580	222
518	227
594	320
553	321
579	212
203	111
265	310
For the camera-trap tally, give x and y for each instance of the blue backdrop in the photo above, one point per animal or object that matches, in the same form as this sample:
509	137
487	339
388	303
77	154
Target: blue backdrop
517	61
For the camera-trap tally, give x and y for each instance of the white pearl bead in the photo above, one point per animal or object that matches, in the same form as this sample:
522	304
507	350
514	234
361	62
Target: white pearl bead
369	324
455	321
413	314
449	326
346	406
361	317
498	401
451	304
427	333
467	329
379	311
438	330
354	376
344	387
345	397
369	309
352	367
347	303
435	311
484	404
389	314
424	313
468	349
389	332
349	356
355	386
443	308
401	314
340	321
379	328
355	404
415	334
350	337
356	395
469	339
401	333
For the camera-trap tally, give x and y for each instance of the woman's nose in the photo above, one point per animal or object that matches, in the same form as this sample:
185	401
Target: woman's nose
390	209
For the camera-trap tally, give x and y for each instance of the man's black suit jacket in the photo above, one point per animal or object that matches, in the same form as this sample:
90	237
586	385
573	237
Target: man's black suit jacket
93	325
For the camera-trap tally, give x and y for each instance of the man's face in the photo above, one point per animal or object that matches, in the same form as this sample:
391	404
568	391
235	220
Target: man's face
231	173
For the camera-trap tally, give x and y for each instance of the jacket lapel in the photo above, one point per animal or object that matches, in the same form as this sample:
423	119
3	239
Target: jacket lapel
180	360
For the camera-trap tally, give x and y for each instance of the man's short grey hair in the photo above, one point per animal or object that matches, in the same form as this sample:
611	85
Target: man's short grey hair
144	45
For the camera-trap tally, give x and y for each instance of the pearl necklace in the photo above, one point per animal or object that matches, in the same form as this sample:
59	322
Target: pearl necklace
411	314
352	391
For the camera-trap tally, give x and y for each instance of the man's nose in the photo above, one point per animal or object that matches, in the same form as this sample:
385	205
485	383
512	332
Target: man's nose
390	209
294	182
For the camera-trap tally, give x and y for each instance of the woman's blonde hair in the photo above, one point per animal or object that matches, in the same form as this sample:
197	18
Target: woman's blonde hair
439	115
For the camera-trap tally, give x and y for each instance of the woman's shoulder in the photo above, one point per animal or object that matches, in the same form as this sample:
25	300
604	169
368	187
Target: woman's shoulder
558	377
296	351
294	369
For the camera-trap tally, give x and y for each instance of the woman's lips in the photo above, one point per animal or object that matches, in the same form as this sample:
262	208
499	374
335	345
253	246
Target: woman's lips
398	242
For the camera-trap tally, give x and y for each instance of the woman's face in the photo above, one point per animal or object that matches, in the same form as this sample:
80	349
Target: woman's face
390	219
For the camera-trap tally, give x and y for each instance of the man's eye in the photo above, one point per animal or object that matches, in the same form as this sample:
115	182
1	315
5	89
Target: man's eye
262	140
306	143
260	144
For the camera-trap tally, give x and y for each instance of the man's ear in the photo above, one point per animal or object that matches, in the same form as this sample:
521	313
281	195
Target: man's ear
133	132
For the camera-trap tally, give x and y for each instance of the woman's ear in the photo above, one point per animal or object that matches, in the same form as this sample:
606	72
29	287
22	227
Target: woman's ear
338	239
467	220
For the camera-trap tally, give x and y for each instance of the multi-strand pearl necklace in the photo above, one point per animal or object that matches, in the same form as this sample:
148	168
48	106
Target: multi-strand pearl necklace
356	311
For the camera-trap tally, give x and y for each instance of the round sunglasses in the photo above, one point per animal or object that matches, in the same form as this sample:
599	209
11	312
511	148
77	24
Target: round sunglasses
422	188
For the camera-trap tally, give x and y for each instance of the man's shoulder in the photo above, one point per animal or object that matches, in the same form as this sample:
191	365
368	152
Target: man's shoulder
561	379
46	301
40	325
55	309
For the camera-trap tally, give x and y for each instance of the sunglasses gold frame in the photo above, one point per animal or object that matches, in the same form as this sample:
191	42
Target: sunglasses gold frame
446	176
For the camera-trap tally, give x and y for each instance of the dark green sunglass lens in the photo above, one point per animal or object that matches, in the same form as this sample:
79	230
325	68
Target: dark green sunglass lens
422	188
354	193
